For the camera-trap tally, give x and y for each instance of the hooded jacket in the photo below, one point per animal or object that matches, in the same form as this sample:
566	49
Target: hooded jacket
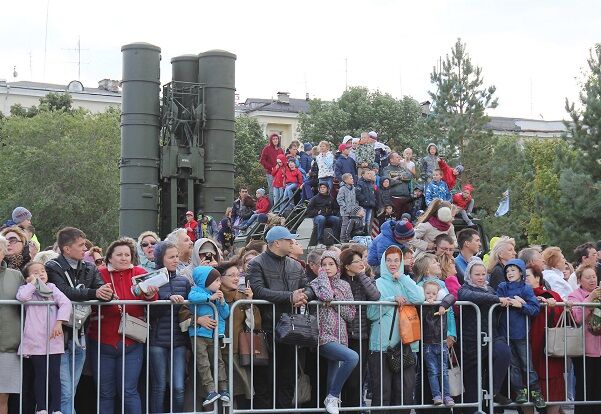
199	298
381	319
322	204
333	319
305	161
187	271
449	323
437	190
269	154
429	163
262	205
279	172
382	242
347	200
518	329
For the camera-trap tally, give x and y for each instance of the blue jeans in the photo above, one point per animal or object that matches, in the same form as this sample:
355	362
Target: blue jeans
278	194
70	374
160	366
251	220
341	362
110	375
328	180
289	194
321	221
434	365
269	179
367	218
521	363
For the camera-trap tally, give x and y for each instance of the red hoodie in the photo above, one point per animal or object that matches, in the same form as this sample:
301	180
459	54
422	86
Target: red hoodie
278	172
269	155
263	205
447	174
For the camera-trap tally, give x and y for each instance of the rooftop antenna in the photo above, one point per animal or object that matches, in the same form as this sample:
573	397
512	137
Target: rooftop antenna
15	74
78	50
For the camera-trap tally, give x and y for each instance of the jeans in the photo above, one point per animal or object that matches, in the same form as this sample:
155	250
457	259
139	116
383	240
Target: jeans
289	194
269	179
70	375
39	383
433	362
109	375
161	365
321	221
328	180
250	221
342	362
521	362
278	194
367	218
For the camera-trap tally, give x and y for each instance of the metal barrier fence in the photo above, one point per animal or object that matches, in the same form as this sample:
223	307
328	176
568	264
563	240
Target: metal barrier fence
572	340
370	367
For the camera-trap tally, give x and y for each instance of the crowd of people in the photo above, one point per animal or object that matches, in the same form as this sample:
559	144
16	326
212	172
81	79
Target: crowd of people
404	264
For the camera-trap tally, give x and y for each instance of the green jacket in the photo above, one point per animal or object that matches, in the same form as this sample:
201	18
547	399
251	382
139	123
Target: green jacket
10	315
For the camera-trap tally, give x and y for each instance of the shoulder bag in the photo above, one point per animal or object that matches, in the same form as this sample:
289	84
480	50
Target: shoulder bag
399	355
564	339
80	313
297	329
130	326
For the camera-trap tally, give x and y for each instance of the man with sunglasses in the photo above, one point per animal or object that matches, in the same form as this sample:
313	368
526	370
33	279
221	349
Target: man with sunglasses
79	281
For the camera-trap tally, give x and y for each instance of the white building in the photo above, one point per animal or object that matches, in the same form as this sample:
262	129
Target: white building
28	94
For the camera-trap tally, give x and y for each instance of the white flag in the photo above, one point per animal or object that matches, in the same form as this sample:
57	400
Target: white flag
503	205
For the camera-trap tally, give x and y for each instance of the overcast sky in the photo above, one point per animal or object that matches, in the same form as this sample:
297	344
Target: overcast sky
533	51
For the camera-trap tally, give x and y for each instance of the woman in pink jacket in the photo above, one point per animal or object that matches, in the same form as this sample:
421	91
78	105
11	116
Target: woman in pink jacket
586	293
42	341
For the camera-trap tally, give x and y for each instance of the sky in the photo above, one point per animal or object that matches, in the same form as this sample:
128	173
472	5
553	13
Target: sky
533	51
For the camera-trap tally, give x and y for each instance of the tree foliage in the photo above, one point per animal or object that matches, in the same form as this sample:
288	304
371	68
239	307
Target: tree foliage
399	122
53	101
63	166
249	142
459	101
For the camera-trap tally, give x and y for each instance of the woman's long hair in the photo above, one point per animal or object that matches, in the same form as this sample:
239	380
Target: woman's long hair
432	210
494	259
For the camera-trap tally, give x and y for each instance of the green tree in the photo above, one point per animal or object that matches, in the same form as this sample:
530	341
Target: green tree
63	166
249	141
56	102
399	123
459	101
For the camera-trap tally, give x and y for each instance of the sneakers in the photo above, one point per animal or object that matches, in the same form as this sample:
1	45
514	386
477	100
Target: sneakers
211	398
437	400
538	400
331	404
449	402
224	396
501	399
521	396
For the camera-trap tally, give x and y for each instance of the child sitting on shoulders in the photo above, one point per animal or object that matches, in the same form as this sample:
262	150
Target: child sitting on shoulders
42	341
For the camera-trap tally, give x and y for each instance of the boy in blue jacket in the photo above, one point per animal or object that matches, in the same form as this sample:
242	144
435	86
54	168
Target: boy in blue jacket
437	188
207	283
523	306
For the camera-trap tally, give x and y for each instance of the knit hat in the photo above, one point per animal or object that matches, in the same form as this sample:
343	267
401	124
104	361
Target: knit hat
444	215
468	187
20	214
261	191
159	252
406	216
403	230
332	255
307	146
373	134
212	276
459	169
520	264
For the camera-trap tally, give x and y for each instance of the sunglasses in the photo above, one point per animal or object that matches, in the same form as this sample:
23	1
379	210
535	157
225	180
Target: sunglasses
145	244
14	240
99	262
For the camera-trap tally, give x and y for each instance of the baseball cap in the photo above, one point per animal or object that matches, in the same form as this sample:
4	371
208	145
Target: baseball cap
279	233
189	213
342	147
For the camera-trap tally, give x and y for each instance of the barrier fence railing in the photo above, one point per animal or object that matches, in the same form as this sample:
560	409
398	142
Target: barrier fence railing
281	384
563	348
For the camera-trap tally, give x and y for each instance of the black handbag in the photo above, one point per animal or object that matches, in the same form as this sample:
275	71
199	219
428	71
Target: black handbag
297	329
399	355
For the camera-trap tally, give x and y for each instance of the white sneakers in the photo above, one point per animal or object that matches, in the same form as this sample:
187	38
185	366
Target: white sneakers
332	404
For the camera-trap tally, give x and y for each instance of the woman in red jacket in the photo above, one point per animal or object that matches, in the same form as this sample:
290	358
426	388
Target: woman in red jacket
269	156
550	370
110	350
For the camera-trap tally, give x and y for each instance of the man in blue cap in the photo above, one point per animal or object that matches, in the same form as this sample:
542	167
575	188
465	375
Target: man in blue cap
279	279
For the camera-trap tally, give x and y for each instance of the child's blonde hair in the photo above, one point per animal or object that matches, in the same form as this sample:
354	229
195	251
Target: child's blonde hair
326	143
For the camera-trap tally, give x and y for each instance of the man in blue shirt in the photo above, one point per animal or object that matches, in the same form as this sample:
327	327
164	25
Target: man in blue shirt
469	243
